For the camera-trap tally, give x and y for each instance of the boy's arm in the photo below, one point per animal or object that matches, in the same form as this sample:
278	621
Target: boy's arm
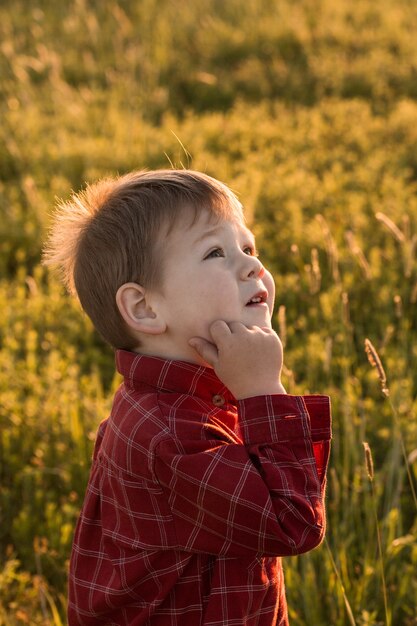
263	496
267	495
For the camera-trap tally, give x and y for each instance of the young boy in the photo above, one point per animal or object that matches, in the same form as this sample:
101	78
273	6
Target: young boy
205	472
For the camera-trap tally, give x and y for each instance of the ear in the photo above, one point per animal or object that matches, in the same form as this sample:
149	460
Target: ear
134	306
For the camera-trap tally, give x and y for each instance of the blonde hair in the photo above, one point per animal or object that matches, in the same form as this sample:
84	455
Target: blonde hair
108	235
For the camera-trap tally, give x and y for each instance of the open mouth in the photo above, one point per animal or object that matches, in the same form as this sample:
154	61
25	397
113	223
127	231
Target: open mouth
259	298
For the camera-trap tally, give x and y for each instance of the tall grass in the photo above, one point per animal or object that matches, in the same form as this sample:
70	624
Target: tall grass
308	111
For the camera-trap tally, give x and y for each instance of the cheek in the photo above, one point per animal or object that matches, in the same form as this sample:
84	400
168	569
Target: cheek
270	285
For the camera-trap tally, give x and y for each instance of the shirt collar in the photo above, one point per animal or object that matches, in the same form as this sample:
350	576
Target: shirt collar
147	373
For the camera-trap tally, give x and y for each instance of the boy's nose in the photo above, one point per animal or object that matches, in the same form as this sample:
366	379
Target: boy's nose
255	268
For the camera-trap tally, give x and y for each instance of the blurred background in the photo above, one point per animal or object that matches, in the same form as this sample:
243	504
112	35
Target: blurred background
308	110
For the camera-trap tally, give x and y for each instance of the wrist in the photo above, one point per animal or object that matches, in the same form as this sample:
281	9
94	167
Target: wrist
268	390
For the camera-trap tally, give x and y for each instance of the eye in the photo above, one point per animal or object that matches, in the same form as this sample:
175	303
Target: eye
250	250
216	253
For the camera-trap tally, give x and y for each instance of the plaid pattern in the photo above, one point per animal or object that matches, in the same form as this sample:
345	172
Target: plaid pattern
192	499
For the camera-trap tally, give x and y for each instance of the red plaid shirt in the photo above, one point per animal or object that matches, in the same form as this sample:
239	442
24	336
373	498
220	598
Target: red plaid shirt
192	499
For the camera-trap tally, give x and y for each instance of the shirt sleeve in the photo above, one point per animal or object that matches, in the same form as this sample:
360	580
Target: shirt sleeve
264	495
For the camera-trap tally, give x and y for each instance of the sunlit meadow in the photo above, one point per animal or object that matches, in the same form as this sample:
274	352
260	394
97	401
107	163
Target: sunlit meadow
308	110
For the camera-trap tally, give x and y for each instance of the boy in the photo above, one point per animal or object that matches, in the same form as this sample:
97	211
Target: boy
206	472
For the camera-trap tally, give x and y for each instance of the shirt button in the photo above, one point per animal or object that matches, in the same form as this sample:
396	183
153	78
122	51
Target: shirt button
218	400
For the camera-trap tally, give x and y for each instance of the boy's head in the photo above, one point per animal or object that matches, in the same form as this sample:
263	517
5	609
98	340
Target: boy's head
134	251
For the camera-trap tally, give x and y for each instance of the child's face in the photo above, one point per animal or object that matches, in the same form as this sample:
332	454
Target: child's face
211	273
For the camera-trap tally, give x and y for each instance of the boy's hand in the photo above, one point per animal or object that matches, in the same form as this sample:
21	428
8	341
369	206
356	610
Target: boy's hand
248	360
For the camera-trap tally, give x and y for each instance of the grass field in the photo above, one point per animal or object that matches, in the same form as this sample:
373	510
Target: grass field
308	110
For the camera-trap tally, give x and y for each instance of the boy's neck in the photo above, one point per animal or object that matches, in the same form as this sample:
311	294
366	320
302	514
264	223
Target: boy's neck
172	353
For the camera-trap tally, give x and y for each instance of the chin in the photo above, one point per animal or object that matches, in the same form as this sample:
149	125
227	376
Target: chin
261	322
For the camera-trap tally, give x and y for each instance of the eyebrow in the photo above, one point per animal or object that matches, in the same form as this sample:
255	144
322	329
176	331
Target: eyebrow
210	232
216	229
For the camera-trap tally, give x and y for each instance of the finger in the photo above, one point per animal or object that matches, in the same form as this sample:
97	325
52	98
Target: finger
268	330
219	330
206	350
236	327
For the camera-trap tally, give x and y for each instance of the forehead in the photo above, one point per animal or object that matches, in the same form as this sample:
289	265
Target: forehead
207	224
233	228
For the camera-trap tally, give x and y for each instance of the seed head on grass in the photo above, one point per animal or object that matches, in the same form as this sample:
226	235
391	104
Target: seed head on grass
368	460
375	361
370	470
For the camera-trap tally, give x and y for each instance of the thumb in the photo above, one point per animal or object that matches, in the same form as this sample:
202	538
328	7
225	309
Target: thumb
205	349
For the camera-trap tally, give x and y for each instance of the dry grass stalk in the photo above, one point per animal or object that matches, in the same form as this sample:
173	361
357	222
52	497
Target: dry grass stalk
342	587
328	350
411	251
368	460
398	306
358	253
405	220
398	234
375	361
345	309
315	273
413	297
408	242
331	248
370	470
